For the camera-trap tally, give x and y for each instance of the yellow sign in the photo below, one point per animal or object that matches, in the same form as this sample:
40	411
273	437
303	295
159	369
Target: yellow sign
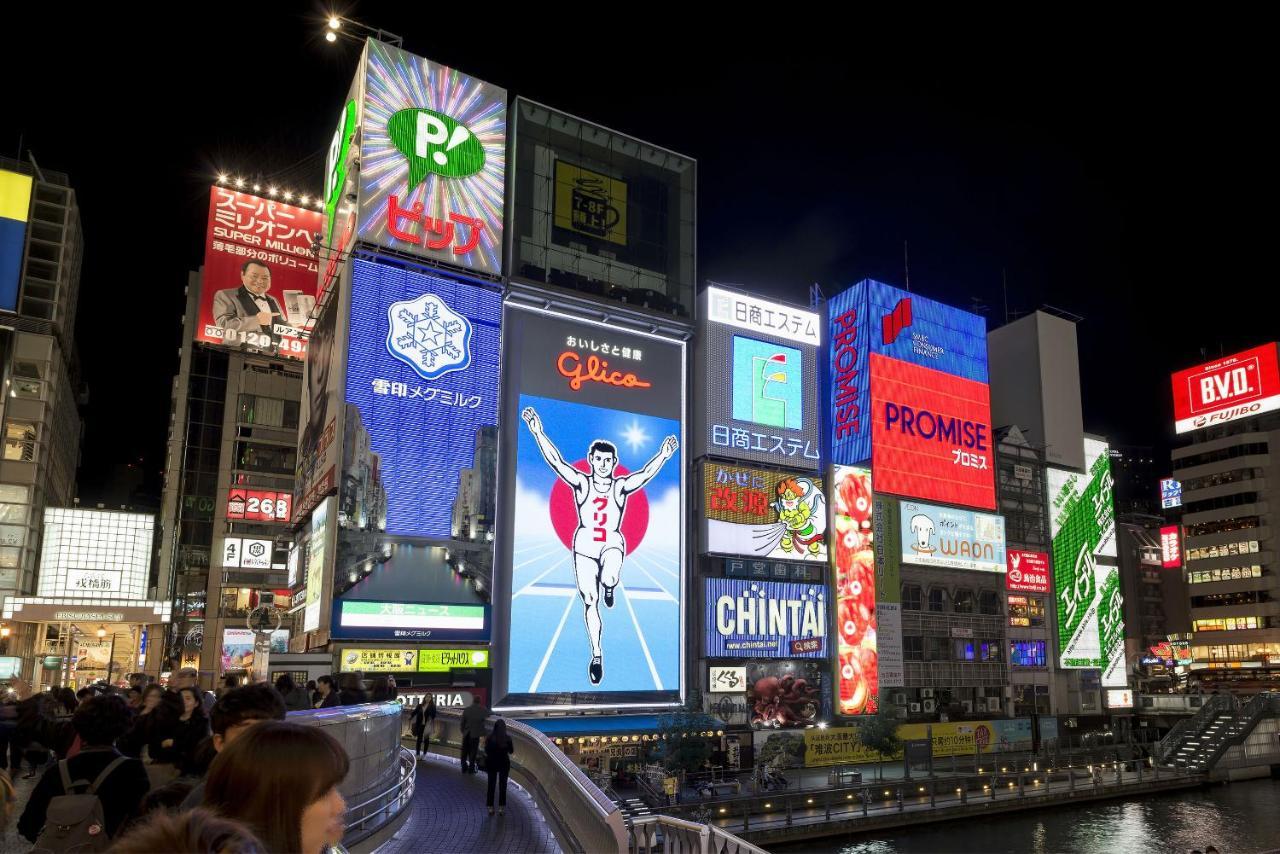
590	203
443	660
840	745
378	660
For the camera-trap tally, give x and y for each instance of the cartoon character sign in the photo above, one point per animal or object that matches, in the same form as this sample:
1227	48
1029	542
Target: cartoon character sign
802	511
765	514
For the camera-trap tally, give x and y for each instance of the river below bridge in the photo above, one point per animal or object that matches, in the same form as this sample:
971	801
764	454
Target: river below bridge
1236	818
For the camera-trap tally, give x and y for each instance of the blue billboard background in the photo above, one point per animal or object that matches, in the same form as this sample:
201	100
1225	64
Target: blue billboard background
783	619
872	317
422	371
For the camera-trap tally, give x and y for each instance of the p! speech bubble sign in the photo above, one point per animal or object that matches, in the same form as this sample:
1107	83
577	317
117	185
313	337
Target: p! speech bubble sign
434	142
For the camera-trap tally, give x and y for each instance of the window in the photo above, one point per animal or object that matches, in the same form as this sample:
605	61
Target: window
1246	450
1240	523
911	597
1243	547
1220	478
989	602
1027	653
20	441
1229	624
964	602
937	599
936	649
1221	600
1227	573
268	411
31	389
1234	500
1019	611
976	650
13	535
15	494
913	648
269	458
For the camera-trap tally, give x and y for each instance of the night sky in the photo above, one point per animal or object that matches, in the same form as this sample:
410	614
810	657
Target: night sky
1114	169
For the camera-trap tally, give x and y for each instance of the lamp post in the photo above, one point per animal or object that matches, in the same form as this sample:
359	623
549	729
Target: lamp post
340	26
4	639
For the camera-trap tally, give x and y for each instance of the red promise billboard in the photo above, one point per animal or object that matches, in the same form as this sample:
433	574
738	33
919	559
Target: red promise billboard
931	434
259	282
1028	572
1216	392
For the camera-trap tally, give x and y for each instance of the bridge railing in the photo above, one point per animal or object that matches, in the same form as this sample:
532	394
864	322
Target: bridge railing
676	836
1195	725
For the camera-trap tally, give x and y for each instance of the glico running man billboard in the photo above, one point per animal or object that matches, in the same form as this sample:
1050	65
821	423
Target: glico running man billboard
1090	607
590	564
259	280
761	380
422	384
1238	386
756	513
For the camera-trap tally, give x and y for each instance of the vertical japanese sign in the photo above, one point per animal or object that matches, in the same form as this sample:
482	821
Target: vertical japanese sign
320	425
592	549
764	514
15	209
760	380
1171	546
886	520
857	658
421	386
1086	581
433	161
259	281
318	560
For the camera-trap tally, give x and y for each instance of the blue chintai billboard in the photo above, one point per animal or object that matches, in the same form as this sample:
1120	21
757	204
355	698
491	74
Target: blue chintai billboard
765	619
422	389
872	317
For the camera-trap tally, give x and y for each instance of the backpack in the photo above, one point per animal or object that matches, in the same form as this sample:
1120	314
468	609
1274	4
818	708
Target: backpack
75	821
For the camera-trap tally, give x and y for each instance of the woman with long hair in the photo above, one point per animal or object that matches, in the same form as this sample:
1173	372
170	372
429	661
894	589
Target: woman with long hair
155	729
498	748
191	730
281	780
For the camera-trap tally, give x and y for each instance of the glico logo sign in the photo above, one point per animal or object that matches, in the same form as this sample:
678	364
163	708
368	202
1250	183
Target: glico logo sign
577	371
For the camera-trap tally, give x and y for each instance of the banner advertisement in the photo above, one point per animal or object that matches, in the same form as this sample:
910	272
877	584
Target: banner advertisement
378	660
1171	546
15	211
320	426
596	416
1090	606
761	385
784	694
886	521
1027	572
874	318
733	709
444	660
256	505
726	679
422	404
409	621
765	619
433	146
317	561
961	539
258	285
1170	493
857	662
1119	698
816	748
238	647
764	514
771	570
1239	386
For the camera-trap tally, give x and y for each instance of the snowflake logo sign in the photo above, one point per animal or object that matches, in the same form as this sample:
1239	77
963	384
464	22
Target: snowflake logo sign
428	336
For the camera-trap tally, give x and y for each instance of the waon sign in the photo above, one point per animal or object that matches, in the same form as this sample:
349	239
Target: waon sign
1028	572
258	506
1225	390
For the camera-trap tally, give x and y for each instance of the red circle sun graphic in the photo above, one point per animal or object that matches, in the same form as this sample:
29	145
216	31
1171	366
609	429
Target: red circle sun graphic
564	510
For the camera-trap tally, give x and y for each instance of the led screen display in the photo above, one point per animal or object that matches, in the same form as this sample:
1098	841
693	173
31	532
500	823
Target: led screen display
764	514
1239	386
765	619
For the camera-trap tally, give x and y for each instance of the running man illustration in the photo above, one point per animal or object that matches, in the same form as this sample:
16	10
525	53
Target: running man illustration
598	545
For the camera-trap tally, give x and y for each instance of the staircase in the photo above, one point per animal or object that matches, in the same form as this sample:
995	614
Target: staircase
1197	743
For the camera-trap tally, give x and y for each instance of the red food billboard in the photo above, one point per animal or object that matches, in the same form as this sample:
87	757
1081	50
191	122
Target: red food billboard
1027	572
1170	547
1238	386
259	282
931	434
857	663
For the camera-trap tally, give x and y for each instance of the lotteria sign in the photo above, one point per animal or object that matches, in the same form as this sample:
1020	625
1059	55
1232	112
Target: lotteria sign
764	619
874	318
1238	386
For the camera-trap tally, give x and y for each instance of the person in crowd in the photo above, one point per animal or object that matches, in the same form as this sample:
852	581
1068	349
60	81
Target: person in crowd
384	689
312	694
153	736
8	801
498	748
229	683
295	698
281	779
84	694
36	733
100	722
472	731
197	831
424	716
233	715
133	697
328	692
188	677
351	690
67	698
190	732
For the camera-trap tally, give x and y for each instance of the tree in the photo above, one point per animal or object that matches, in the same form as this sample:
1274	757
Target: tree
879	732
684	745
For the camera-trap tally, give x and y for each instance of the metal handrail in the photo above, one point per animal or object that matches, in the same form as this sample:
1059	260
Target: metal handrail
652	833
399	792
1193	726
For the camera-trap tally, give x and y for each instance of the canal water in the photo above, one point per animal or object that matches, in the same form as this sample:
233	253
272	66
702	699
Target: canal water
1235	818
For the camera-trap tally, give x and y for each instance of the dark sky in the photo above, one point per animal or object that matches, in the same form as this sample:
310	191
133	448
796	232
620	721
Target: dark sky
1120	170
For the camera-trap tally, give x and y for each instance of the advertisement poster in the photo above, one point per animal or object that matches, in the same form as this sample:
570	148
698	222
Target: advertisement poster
761	385
590	203
422	388
238	647
1171	546
764	514
765	619
317	563
433	148
321	410
378	661
888	556
15	210
1087	590
874	318
256	505
857	658
258	286
961	539
931	434
1239	386
596	568
1027	572
783	694
816	748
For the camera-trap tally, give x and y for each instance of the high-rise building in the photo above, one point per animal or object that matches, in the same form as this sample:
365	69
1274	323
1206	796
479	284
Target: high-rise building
41	245
1137	481
1155	594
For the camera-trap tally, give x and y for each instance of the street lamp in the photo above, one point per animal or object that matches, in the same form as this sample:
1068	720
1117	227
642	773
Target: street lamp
356	31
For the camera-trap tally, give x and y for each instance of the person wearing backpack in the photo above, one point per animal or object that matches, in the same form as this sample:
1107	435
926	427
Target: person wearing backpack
83	802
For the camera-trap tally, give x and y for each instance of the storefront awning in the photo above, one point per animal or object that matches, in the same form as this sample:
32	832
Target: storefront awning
602	724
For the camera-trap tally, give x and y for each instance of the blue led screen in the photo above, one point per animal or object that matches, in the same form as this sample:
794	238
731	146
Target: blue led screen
422	381
872	317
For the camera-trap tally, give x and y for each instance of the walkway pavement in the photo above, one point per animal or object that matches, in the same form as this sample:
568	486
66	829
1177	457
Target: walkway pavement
449	815
10	841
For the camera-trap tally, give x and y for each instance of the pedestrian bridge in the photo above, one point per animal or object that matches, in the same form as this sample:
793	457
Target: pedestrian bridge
1227	739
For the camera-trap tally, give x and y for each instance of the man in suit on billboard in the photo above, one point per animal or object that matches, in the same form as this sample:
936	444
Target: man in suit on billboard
248	309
